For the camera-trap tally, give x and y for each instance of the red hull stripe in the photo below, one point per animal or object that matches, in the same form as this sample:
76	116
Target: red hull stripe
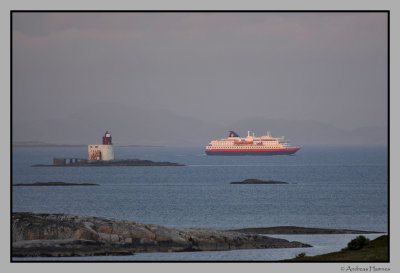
253	150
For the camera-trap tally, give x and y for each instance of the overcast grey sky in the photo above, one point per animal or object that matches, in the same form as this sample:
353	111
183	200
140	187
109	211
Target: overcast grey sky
220	67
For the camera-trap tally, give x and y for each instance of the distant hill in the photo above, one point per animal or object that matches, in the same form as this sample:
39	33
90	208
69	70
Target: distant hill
128	126
312	132
140	126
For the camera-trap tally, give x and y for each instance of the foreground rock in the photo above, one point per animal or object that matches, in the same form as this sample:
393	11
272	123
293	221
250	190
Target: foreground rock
55	184
301	230
72	235
257	181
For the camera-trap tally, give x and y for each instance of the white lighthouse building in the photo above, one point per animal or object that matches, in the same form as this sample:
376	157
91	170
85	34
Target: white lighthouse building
103	151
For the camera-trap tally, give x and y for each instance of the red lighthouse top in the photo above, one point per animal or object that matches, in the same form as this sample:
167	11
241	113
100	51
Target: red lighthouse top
107	138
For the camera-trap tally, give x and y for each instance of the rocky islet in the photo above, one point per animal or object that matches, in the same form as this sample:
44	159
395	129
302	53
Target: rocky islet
72	235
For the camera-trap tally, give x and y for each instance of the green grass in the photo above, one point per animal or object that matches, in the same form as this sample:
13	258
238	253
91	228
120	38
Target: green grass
375	251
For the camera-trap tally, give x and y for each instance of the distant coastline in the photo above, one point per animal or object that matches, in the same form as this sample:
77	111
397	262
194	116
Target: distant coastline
138	145
45	144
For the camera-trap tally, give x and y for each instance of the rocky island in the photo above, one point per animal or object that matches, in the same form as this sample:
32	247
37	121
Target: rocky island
38	184
102	155
60	235
258	181
81	162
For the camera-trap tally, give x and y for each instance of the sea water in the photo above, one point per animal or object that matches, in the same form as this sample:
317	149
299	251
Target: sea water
328	187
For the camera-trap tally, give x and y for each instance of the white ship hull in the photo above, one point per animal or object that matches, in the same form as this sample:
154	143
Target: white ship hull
265	145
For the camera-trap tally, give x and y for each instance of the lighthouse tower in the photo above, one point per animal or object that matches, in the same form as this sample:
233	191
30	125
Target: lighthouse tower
103	151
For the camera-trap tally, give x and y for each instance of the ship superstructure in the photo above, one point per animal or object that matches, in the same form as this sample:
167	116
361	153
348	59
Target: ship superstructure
250	145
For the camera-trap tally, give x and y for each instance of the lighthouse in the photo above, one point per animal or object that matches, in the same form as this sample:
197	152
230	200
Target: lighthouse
103	151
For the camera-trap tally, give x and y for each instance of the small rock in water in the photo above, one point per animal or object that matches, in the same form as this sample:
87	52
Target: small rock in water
56	184
258	181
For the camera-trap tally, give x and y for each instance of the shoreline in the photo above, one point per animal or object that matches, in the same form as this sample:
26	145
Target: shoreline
66	235
34	144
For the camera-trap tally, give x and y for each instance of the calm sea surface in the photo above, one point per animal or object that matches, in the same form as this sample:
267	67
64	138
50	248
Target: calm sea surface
330	187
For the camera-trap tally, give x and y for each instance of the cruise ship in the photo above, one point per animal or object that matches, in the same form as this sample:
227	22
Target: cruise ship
250	145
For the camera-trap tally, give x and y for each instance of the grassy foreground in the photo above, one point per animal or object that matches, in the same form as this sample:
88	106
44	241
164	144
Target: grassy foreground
375	251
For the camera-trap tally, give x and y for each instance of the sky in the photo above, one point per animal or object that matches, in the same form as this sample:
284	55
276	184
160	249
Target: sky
215	67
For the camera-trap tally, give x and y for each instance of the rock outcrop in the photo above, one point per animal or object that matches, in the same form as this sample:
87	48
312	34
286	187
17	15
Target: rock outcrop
258	181
40	184
301	230
72	235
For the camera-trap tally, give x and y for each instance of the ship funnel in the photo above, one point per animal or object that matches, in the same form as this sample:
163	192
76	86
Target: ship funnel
233	134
